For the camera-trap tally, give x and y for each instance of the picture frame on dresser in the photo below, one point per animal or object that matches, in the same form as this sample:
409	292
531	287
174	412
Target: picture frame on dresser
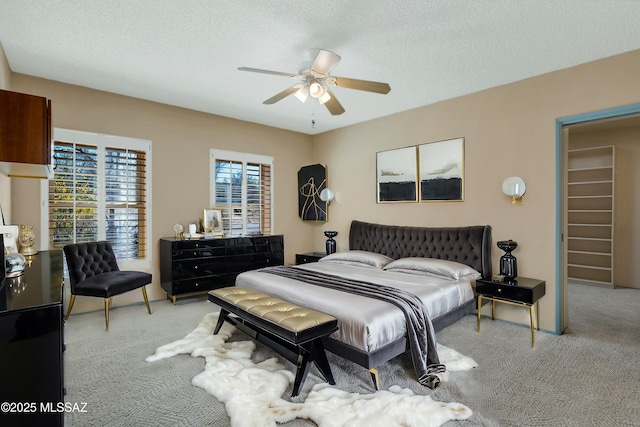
212	222
10	237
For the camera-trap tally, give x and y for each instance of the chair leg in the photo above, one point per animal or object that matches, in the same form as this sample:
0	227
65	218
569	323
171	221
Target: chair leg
71	301
146	300
107	305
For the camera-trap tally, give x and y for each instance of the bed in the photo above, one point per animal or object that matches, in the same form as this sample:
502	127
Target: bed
371	331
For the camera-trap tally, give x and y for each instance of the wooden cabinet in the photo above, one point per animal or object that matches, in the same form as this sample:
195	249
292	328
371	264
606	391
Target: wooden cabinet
190	266
590	215
25	135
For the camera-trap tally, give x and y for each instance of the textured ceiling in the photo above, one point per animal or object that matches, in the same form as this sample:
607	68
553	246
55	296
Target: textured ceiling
186	53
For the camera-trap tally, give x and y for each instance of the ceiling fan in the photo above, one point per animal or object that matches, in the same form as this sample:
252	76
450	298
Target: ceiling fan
316	81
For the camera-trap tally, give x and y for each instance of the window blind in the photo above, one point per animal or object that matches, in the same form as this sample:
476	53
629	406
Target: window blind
99	194
243	194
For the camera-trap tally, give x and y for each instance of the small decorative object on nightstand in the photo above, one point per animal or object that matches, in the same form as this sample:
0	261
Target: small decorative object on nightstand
523	292
331	244
508	263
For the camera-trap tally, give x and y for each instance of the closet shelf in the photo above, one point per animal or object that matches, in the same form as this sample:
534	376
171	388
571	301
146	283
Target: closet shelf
589	225
592	267
591	239
607	181
571	251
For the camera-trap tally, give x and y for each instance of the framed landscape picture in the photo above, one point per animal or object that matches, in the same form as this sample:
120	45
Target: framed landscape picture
397	175
212	222
442	171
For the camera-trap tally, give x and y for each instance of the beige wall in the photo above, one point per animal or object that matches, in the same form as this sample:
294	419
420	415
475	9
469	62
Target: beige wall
508	130
5	182
626	140
181	140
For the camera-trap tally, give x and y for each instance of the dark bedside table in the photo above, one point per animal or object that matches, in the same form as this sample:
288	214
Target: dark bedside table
521	291
309	257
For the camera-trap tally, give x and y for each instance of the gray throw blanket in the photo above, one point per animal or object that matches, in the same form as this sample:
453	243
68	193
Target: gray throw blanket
422	342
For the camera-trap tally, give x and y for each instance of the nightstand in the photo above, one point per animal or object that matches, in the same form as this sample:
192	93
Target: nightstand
521	291
309	257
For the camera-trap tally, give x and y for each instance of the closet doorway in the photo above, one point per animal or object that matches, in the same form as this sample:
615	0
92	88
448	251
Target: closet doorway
600	204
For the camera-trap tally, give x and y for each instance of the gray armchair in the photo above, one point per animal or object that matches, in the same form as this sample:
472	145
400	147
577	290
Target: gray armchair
94	272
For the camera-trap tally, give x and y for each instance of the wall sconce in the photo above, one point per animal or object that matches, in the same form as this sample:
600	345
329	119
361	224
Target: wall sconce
326	195
515	188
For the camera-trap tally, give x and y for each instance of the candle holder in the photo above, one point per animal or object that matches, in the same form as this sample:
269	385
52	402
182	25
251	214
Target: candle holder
331	244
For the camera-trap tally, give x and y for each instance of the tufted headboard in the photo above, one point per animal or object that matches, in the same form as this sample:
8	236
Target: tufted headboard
469	245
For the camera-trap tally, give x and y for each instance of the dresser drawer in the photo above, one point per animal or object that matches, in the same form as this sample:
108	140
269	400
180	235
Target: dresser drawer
187	268
200	284
523	290
309	257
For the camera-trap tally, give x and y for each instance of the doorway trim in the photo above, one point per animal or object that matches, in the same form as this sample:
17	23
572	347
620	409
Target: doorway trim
616	112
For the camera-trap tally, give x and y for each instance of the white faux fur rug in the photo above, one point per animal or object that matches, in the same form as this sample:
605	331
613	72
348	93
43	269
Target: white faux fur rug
252	392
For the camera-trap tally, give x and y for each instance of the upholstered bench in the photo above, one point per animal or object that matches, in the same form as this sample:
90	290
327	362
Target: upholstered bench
294	332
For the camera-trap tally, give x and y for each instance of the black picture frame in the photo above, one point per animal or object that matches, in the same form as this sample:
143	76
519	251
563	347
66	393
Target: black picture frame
312	180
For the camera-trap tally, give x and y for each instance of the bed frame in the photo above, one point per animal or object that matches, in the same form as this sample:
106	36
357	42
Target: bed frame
469	245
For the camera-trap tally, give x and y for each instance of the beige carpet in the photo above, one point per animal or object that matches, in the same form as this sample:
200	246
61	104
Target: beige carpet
589	376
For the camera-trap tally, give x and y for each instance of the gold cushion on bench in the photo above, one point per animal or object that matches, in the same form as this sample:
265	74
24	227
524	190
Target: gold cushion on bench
282	313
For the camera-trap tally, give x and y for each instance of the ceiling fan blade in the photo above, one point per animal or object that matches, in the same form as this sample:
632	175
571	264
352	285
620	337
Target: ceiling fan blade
288	91
334	107
258	70
325	61
365	85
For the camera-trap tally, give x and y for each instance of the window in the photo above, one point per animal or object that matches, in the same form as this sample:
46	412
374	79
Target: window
100	191
242	189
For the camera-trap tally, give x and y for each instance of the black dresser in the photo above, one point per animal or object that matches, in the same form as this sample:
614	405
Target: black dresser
31	344
189	266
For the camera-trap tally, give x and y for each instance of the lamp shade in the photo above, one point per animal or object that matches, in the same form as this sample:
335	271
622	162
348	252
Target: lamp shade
514	186
302	93
316	90
326	195
324	98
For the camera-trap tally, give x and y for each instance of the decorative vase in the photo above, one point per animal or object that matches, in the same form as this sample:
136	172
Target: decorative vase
331	244
508	263
26	238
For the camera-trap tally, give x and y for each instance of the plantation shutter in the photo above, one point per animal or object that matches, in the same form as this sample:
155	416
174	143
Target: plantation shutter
228	196
243	194
99	194
125	190
73	195
258	198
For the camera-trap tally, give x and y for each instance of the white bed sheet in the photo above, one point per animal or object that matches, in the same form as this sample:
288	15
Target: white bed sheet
365	323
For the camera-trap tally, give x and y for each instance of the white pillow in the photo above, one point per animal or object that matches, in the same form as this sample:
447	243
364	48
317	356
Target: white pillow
360	258
432	266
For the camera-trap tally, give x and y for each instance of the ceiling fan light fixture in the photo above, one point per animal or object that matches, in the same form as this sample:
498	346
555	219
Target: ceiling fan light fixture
316	90
324	98
302	93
